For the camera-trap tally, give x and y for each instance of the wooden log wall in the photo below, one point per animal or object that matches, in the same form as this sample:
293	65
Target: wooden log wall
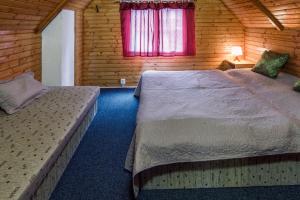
286	11
19	51
98	48
261	34
217	29
78	46
24	15
258	40
20	47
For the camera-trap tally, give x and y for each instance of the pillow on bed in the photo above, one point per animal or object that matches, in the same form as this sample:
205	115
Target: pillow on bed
270	64
297	86
18	92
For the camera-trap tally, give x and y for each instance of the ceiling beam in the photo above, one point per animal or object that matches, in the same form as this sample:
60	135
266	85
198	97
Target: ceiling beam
51	16
269	14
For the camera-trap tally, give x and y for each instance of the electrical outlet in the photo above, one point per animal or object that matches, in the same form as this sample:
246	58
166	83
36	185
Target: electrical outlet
123	82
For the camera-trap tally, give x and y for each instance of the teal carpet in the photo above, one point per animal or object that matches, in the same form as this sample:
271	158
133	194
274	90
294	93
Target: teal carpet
96	170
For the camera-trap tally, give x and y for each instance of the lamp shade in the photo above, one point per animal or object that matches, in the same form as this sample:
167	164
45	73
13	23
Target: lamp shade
236	51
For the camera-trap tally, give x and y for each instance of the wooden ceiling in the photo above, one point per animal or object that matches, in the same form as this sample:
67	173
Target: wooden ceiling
287	12
28	14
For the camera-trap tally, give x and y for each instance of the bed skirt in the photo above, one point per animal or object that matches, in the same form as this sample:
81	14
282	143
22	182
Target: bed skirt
50	181
247	172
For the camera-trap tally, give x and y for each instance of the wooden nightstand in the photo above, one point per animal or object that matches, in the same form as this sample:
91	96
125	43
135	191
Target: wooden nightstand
230	64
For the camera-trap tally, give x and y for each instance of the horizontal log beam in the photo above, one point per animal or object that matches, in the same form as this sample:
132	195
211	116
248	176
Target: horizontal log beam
269	14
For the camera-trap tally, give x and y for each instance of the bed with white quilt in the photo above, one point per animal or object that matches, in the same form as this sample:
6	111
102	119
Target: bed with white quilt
38	141
215	129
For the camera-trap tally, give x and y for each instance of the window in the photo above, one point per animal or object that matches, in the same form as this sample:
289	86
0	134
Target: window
150	29
142	31
171	31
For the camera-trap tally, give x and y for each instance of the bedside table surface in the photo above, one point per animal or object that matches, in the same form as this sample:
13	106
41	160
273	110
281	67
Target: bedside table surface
242	62
239	64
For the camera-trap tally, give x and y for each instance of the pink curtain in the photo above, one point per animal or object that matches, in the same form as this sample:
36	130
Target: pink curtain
158	29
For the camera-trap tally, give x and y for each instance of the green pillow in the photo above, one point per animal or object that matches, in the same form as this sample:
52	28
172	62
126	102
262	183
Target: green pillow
297	86
270	64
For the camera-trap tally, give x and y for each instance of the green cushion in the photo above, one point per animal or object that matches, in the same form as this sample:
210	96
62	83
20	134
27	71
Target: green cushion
297	86
270	64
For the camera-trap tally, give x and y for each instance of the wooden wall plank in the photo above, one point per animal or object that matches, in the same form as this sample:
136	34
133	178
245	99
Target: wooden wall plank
217	29
287	12
270	15
257	40
24	15
19	52
27	15
20	47
98	48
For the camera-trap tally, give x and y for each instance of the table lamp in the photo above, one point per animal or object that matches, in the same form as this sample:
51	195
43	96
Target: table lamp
236	51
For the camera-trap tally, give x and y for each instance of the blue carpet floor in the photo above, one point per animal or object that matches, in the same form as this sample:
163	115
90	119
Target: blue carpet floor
96	170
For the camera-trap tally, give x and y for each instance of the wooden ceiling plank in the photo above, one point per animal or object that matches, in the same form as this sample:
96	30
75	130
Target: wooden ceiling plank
231	11
269	14
51	16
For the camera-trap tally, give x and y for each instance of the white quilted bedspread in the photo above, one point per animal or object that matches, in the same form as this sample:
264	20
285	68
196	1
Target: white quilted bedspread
211	115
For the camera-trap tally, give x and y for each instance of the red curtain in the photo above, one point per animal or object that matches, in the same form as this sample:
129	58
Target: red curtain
158	29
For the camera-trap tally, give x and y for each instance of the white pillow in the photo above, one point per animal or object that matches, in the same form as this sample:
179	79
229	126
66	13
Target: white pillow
19	92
